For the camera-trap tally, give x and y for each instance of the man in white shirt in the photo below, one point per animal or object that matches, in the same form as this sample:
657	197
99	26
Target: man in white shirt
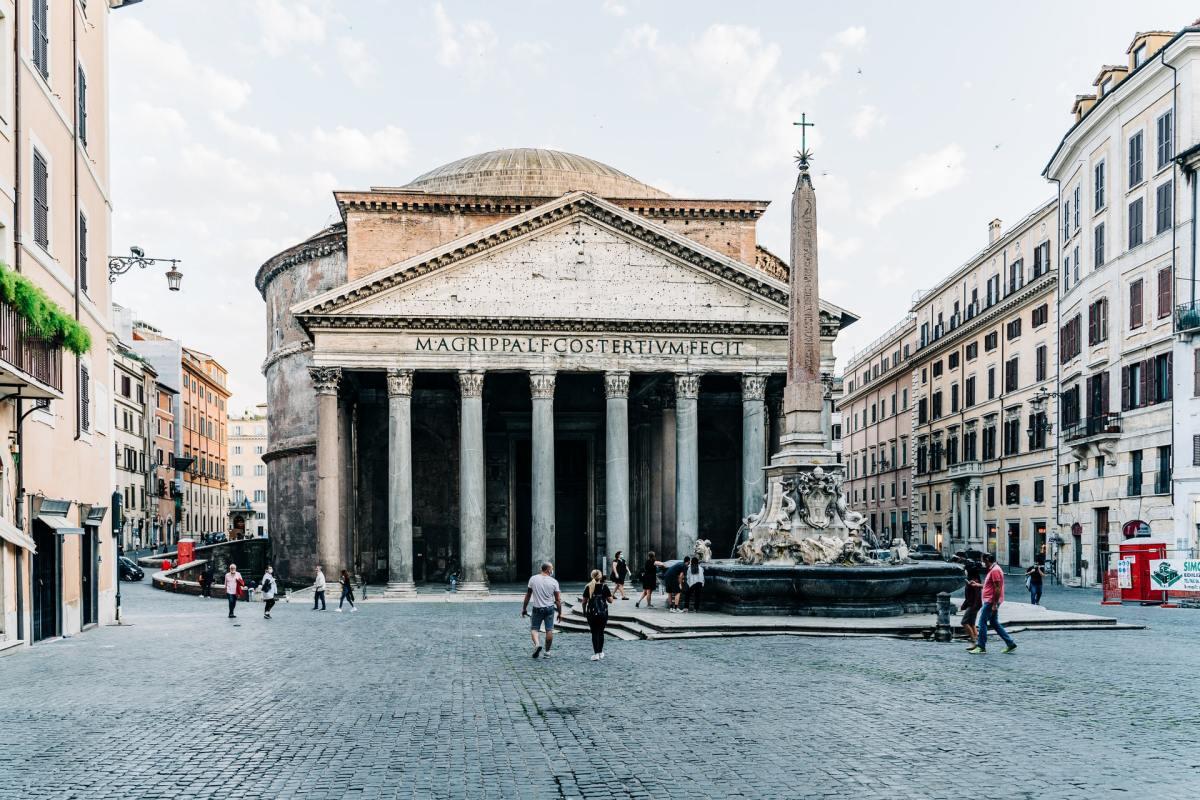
319	589
547	601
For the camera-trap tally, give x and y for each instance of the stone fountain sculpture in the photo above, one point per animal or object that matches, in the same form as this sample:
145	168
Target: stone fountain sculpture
805	552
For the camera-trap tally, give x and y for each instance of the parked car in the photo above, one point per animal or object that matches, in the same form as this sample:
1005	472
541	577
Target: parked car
128	570
925	552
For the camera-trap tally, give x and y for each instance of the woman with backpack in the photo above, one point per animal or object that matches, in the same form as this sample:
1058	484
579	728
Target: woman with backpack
596	597
695	585
268	591
347	592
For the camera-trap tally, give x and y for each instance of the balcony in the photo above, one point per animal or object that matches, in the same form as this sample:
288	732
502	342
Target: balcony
1187	317
27	360
966	469
1101	426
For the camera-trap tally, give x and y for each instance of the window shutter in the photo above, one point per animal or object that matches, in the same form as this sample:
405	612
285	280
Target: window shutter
1135	304
81	103
1124	388
85	394
1092	324
1196	373
1147	382
83	253
1164	292
1103	376
1168	387
41	198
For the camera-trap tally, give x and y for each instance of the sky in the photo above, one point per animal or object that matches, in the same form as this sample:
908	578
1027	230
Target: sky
234	120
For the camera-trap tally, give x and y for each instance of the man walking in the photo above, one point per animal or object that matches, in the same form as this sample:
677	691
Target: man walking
547	600
993	596
268	591
233	587
319	589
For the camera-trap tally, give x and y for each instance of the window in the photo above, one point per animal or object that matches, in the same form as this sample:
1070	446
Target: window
991	382
1016	275
1139	56
83	252
1135	304
41	37
1076	261
1041	362
1132	386
1078	204
258	449
259	470
991	496
1135	473
85	398
972	351
904	399
1166	139
1098	322
1098	186
1066	274
1039	491
969	452
989	442
260	496
1013	330
954	399
41	201
1012	494
1066	219
1069	344
81	105
237	470
937	368
1135	159
991	341
1012	436
1162	480
1164	292
1164	216
922	411
952	361
937	405
1011	374
1041	259
1040	315
1098	246
969	399
237	449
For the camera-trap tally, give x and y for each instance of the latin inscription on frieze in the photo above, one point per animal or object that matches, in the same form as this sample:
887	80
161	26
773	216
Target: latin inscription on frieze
577	345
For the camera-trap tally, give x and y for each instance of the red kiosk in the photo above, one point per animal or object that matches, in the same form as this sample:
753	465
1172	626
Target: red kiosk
1141	550
187	551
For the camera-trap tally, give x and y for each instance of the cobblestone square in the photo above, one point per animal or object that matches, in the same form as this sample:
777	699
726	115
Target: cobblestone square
429	700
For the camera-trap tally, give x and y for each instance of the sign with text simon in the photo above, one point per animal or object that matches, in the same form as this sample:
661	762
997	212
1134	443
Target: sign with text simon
1175	575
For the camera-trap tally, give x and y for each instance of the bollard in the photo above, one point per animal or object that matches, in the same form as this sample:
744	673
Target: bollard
943	632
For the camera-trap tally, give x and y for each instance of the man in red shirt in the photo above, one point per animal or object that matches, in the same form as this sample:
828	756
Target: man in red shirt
993	596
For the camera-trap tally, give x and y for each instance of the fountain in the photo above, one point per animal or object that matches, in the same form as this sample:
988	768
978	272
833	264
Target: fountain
805	552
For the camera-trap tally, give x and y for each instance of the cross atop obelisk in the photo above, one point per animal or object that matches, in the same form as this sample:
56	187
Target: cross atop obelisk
805	155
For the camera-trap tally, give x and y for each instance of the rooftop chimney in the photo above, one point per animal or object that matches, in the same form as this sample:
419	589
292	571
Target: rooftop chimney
993	231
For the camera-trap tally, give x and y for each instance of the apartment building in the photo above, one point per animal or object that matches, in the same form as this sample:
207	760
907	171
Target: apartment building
133	382
1128	363
167	505
877	429
248	473
983	374
205	441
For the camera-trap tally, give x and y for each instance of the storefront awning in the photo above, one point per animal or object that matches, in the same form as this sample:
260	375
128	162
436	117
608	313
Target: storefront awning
59	525
95	515
11	533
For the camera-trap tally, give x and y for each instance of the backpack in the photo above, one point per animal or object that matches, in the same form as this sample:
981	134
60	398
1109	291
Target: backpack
597	605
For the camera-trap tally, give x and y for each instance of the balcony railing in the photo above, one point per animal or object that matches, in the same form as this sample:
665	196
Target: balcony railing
966	469
1099	425
1187	316
32	355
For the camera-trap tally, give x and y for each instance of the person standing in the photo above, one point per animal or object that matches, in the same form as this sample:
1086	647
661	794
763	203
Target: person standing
268	591
543	591
1033	580
319	589
649	580
972	599
673	578
233	587
347	592
596	597
620	571
695	585
993	596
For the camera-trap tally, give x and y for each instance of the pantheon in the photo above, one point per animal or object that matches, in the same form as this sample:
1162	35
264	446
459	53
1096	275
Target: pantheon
522	355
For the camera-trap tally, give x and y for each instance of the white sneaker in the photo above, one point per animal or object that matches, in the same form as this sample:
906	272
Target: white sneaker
546	654
339	611
354	608
595	656
601	654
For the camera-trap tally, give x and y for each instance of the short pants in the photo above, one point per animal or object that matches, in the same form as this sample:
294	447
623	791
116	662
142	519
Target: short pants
542	615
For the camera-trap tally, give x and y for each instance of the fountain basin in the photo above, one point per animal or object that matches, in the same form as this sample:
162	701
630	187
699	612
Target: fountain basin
829	590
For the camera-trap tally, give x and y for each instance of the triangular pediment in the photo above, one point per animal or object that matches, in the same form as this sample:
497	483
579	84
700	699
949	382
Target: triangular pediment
577	257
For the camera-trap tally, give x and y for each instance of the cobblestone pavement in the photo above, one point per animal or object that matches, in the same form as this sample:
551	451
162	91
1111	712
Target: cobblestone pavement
441	701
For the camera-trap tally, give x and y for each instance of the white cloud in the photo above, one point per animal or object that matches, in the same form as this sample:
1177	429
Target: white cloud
615	9
921	177
854	36
246	134
350	148
835	247
832	60
866	120
355	60
167	72
288	24
468	45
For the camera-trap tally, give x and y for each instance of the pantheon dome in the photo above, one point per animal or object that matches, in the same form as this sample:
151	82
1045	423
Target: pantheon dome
530	172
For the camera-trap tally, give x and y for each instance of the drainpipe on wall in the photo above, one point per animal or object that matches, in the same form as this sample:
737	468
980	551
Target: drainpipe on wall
75	195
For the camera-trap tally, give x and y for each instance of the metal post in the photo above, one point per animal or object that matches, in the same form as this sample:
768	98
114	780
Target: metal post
943	632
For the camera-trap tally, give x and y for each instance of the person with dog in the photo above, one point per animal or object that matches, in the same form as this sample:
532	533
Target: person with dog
596	597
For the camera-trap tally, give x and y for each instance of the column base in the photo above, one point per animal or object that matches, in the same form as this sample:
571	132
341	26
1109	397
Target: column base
474	588
400	589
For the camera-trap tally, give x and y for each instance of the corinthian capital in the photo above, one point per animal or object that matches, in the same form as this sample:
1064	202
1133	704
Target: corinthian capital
541	385
470	382
399	382
687	386
616	384
754	386
325	379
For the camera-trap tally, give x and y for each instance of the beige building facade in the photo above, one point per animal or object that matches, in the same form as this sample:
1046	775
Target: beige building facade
248	473
876	425
162	448
982	373
1129	450
133	382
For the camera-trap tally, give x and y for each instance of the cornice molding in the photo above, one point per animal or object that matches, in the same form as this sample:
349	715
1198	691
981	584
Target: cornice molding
541	325
299	445
419	202
284	352
1031	291
329	244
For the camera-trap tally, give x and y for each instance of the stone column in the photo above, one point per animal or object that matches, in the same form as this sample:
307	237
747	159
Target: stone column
955	513
670	452
329	513
541	387
400	488
616	460
472	502
754	480
975	532
687	472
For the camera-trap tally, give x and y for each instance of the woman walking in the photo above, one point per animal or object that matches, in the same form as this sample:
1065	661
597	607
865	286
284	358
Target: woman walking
620	571
596	597
1033	580
347	592
695	585
649	580
268	591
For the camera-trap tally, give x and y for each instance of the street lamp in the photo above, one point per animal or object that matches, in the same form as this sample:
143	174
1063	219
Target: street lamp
119	265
